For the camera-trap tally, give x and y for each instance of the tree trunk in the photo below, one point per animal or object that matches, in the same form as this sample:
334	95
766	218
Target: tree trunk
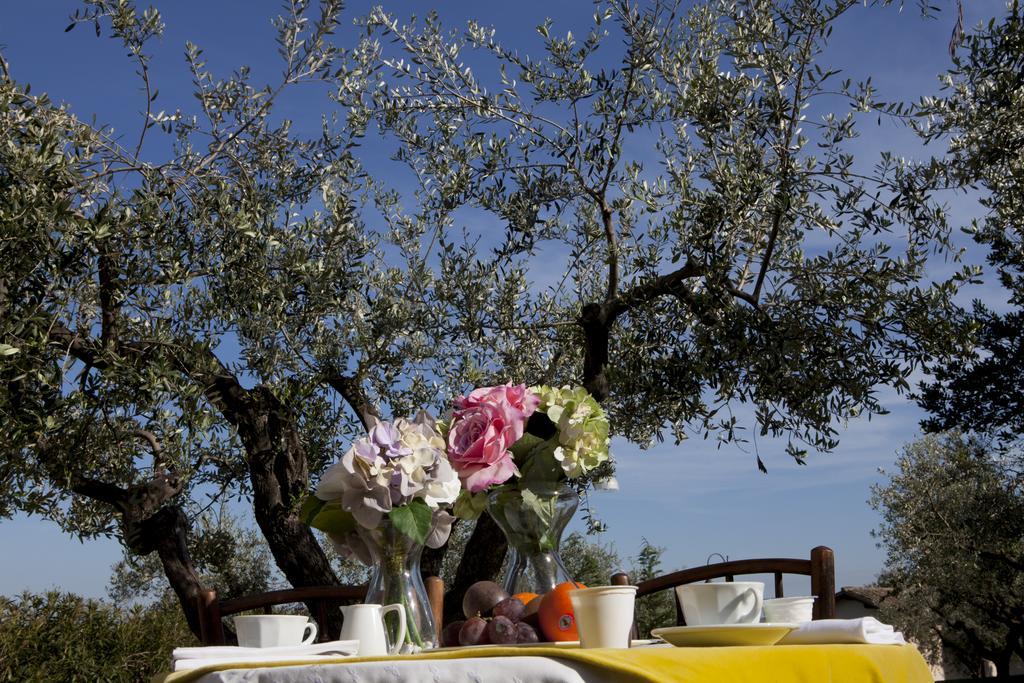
481	561
167	532
594	321
279	476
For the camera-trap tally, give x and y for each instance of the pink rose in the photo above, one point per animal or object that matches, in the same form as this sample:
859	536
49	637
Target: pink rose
518	402
478	445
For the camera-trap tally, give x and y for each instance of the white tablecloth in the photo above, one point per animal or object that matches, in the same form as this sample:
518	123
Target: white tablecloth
475	670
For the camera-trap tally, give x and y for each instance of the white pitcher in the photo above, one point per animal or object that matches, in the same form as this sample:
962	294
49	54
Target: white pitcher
365	623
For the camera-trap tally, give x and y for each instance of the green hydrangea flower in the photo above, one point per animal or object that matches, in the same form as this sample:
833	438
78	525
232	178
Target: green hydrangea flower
582	428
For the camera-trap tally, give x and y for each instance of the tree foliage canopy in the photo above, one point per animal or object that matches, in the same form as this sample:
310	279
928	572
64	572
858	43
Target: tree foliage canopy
683	227
981	116
720	242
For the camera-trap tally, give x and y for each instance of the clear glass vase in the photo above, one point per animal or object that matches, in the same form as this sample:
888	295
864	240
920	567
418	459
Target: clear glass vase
533	521
396	579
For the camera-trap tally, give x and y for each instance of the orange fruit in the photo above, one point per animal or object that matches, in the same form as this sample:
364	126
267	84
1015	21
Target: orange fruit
525	598
557	621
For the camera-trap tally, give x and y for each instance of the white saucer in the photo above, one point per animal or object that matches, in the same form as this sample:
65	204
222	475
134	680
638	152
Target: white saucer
724	634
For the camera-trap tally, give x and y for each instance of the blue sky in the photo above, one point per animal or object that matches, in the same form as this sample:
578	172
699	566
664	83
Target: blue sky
694	499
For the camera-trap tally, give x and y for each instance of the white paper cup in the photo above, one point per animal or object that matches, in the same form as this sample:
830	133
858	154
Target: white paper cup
274	630
789	610
730	602
604	615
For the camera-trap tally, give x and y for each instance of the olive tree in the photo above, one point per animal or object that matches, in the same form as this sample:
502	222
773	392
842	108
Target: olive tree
685	229
684	180
209	319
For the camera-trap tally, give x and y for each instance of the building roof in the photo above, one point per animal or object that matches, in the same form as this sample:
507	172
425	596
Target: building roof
869	596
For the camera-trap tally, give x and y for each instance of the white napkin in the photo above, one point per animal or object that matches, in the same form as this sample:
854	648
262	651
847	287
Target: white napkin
863	630
193	657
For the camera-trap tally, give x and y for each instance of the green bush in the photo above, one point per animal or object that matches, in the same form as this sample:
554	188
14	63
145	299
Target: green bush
64	637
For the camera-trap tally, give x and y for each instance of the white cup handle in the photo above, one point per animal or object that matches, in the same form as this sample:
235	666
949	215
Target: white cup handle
396	646
311	627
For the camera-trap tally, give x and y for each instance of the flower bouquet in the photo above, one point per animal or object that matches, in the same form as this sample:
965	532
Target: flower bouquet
516	450
381	503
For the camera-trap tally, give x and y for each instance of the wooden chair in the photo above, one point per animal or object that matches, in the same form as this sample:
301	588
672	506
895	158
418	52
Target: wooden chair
820	567
319	600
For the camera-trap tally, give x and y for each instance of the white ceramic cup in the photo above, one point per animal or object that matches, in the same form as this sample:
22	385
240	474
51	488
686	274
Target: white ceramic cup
274	630
604	615
796	610
730	602
365	623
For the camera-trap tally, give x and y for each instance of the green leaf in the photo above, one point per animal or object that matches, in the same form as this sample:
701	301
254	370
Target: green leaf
522	448
414	520
310	506
536	459
327	517
7	350
543	507
334	520
470	506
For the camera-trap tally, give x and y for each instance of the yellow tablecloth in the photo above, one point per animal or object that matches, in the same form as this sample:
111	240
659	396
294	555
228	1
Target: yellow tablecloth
774	664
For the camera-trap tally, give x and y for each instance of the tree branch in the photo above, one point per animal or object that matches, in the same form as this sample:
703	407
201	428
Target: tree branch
89	352
220	386
606	211
782	197
613	250
101	491
149	106
75	345
1011	562
649	290
108	304
154	444
351	390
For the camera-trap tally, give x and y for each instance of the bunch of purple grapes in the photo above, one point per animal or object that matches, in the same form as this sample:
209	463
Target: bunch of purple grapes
492	617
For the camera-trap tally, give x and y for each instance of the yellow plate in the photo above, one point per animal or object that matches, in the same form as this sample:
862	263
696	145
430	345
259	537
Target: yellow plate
723	634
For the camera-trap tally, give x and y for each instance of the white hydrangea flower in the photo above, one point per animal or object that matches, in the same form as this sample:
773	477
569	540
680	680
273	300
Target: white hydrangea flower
391	466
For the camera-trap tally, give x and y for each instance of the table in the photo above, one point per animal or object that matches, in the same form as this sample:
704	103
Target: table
545	664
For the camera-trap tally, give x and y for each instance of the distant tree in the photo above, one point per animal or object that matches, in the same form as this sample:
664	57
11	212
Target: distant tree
230	558
980	115
953	532
589	561
593	563
656	609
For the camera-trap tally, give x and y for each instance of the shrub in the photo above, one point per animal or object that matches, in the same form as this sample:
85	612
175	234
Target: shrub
65	637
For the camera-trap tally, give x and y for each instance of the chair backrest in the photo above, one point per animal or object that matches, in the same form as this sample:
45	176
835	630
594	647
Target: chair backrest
318	599
820	567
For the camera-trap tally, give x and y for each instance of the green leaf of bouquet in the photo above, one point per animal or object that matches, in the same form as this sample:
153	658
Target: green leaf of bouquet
332	519
539	464
522	448
470	506
310	506
414	519
542	506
